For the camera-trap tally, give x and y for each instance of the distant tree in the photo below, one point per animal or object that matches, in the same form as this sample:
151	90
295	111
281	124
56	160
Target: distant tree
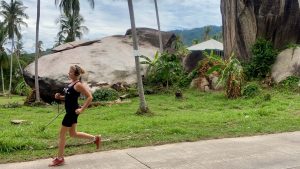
180	48
207	31
71	28
195	41
3	56
14	15
70	7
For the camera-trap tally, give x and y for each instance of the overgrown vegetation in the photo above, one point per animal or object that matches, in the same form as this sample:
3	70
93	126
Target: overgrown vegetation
231	74
166	70
173	121
263	57
105	94
251	90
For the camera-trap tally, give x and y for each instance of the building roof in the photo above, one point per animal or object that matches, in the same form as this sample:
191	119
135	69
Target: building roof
210	44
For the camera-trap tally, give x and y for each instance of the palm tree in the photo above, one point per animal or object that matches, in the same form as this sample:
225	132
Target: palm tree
18	50
158	25
71	6
143	109
3	64
207	31
70	27
37	54
13	15
3	56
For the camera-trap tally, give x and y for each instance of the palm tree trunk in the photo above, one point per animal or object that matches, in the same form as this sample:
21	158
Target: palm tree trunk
158	25
18	59
2	80
11	65
143	105
37	53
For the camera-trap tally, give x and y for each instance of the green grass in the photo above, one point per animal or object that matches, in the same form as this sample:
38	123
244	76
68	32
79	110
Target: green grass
198	116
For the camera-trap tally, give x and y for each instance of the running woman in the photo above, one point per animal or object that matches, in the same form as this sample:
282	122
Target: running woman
73	110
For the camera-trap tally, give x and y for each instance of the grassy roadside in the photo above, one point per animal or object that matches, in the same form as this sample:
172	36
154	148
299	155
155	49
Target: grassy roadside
198	116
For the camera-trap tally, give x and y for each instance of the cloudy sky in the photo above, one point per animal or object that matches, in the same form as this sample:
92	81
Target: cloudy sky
111	17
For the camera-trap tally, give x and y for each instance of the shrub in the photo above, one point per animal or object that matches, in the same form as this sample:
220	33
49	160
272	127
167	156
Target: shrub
22	88
166	70
231	72
251	90
263	56
105	94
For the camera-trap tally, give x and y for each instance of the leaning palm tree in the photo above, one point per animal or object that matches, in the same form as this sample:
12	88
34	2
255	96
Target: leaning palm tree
71	28
158	25
71	6
37	54
143	109
13	15
18	50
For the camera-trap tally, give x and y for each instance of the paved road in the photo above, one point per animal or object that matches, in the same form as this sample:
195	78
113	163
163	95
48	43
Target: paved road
275	151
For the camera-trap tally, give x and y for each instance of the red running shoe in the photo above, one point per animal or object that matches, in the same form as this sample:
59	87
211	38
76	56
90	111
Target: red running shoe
57	162
98	142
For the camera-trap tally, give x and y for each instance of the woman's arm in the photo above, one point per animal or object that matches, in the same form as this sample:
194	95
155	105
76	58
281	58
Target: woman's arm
82	89
59	96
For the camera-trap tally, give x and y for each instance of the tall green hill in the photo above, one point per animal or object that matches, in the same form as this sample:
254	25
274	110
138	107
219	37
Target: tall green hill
188	35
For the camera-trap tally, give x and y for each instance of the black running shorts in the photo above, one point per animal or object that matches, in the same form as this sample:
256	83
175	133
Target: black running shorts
70	119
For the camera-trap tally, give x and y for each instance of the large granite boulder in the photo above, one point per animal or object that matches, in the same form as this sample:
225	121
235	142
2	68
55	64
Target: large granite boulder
107	61
151	36
245	21
287	64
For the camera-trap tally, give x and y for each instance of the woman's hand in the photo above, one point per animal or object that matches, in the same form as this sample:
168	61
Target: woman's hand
57	96
79	110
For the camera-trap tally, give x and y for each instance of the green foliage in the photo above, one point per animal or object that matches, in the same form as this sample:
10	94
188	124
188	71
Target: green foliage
231	73
292	46
22	88
180	48
166	70
105	94
251	90
267	97
149	62
12	105
290	82
186	79
200	116
263	56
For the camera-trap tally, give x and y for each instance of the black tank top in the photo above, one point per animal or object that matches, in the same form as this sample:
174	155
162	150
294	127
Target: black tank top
71	98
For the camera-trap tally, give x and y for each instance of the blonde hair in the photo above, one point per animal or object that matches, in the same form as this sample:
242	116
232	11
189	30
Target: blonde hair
77	70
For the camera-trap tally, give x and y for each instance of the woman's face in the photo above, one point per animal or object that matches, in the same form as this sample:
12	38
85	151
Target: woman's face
72	74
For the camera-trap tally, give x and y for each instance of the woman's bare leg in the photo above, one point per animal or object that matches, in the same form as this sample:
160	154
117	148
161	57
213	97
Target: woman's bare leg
74	133
62	141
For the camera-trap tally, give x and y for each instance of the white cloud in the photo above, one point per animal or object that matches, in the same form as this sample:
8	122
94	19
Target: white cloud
112	17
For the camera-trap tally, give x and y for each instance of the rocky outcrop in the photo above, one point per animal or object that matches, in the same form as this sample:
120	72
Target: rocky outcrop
287	64
151	36
191	61
246	20
107	61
